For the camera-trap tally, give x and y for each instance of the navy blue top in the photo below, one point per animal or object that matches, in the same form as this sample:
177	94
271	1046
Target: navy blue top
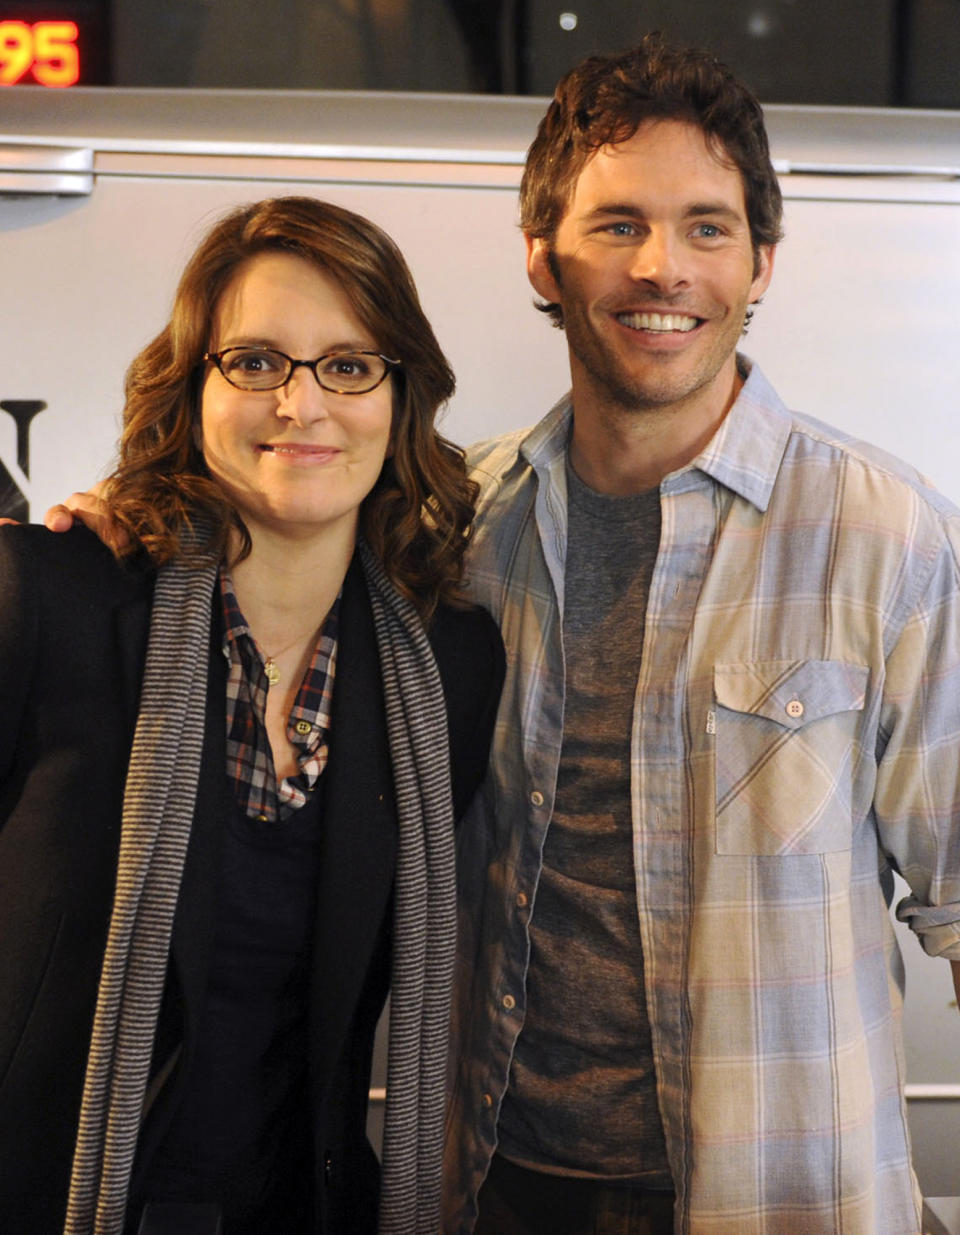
241	1136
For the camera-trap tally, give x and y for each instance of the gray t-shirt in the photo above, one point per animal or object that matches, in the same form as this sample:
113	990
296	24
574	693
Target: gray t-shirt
582	1093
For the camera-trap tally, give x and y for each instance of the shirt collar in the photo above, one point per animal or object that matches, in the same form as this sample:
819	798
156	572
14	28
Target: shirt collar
234	623
746	451
743	455
547	440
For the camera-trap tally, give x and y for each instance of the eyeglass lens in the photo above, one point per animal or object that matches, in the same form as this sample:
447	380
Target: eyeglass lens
260	368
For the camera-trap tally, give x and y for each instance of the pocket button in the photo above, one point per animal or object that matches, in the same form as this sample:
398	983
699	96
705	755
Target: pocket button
795	709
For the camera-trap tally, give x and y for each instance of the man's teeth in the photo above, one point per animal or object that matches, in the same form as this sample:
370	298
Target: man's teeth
664	322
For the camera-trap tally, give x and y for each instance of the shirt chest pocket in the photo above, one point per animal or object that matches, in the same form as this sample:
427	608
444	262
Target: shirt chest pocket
785	748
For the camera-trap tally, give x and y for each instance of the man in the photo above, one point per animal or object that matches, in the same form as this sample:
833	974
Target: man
732	710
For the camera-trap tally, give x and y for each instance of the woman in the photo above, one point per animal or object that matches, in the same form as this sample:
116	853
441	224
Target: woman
194	965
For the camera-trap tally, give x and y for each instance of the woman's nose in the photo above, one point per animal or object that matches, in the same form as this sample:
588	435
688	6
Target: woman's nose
303	400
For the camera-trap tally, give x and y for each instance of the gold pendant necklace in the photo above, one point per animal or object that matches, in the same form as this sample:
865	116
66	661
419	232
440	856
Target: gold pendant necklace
270	668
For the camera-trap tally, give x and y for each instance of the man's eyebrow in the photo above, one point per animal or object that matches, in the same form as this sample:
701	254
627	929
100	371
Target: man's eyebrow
697	210
629	210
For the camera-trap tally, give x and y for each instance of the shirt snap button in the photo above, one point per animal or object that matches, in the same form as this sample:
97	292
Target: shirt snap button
795	709
509	1002
536	797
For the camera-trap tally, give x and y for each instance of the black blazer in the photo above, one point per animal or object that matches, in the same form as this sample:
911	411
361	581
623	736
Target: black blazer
73	632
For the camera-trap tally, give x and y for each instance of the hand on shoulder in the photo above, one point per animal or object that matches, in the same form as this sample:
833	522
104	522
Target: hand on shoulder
87	508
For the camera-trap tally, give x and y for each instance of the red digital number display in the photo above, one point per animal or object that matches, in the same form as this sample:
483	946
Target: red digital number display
46	51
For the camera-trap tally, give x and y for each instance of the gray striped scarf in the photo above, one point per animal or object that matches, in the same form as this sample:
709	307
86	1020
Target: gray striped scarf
158	809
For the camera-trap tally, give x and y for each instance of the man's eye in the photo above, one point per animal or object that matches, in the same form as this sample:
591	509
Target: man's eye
622	229
708	231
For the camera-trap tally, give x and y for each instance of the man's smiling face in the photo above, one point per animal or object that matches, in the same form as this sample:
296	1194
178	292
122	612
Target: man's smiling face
654	268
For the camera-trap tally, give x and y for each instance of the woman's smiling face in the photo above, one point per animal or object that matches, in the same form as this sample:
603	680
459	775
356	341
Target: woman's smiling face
299	460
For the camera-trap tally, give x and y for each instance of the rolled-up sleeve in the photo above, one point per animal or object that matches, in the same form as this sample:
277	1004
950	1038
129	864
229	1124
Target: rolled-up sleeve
917	799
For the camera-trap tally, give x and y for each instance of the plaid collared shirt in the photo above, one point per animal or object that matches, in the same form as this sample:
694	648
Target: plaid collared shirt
795	738
249	758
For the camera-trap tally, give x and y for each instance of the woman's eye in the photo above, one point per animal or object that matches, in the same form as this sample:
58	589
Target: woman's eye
346	366
254	361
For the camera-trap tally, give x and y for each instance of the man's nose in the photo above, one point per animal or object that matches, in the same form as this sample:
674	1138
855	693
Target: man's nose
659	260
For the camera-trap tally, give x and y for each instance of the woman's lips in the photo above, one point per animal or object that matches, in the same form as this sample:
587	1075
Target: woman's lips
295	452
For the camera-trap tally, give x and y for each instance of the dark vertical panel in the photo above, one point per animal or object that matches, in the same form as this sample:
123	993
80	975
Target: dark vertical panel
818	51
933	67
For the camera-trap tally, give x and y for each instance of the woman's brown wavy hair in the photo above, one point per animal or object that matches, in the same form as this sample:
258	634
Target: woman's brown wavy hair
417	518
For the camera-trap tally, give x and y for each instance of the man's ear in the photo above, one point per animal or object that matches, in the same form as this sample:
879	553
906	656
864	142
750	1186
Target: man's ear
539	270
763	264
